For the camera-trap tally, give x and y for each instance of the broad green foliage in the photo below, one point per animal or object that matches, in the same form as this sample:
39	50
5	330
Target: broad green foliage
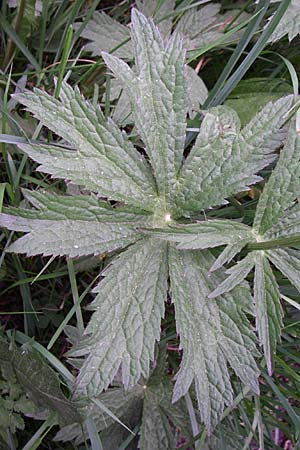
197	27
212	334
38	380
154	196
234	155
251	95
289	24
128	311
107	34
72	225
277	217
13	402
148	403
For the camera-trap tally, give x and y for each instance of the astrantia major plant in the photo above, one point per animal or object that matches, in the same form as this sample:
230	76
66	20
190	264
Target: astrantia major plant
158	225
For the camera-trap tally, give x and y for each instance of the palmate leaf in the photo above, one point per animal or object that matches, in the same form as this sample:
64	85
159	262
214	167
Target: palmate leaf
104	160
126	405
130	298
106	34
235	154
199	27
126	321
212	334
289	24
157	95
149	404
73	226
205	234
203	26
275	217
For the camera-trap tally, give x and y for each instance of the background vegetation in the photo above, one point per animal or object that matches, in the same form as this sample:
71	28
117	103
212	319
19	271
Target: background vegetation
40	41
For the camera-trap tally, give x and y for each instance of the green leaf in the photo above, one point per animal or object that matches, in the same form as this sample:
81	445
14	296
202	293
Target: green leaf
251	95
104	160
158	99
158	10
289	24
126	405
237	274
288	224
287	260
264	131
196	90
229	252
212	334
156	431
235	155
149	403
199	26
204	26
122	111
282	187
126	321
268	310
40	381
205	234
106	34
73	226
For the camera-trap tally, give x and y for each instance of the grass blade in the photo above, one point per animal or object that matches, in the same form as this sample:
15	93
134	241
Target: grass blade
246	38
93	434
18	41
253	54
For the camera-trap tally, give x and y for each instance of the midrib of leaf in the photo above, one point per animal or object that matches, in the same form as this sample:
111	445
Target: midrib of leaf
96	137
147	253
202	322
125	313
159	147
108	156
